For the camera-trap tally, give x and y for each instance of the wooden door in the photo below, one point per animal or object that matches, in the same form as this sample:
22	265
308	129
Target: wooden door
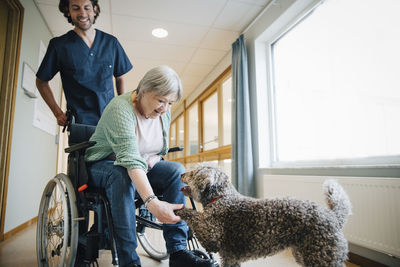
11	18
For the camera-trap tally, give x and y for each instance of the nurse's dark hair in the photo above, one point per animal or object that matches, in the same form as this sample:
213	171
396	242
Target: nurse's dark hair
162	81
63	6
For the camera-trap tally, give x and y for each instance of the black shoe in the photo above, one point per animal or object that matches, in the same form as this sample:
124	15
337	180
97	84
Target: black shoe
134	265
186	258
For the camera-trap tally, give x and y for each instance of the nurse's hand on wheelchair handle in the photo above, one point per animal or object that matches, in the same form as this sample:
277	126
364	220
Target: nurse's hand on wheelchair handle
164	211
62	119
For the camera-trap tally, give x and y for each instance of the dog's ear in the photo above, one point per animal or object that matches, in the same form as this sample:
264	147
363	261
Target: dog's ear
214	179
217	176
203	178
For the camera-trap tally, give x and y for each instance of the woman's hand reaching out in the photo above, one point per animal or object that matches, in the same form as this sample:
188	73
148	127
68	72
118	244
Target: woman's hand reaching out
164	211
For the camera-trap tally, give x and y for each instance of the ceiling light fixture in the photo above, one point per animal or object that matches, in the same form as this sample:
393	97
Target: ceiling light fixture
159	33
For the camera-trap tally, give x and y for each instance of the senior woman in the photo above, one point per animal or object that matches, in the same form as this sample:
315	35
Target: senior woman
131	137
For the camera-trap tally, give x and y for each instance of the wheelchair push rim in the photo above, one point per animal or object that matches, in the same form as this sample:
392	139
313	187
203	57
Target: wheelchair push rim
57	228
150	235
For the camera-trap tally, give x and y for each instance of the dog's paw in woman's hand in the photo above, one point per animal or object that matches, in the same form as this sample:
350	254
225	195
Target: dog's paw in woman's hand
185	213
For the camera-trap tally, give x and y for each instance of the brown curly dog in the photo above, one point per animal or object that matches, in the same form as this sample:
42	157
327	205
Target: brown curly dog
241	228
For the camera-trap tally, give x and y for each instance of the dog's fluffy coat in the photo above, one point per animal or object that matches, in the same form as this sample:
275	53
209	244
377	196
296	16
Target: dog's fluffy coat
240	228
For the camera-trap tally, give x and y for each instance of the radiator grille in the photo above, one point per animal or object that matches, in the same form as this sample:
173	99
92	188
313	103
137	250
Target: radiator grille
375	223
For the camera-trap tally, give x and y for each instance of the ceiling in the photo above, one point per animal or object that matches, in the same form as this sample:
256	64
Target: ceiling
201	32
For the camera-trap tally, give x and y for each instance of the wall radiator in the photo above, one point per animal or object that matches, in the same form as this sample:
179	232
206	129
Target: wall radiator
375	223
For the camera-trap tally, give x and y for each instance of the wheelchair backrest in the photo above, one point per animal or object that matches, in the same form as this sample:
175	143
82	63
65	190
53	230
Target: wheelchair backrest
79	133
78	137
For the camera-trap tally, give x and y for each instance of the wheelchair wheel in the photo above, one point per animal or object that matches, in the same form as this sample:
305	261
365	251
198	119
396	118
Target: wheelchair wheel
57	228
151	238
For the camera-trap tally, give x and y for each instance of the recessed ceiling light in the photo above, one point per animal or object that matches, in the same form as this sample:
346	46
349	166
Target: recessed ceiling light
159	33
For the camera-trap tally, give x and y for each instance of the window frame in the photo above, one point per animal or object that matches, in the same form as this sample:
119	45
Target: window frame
385	166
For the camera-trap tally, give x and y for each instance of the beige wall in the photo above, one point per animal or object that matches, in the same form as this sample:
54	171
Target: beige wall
33	152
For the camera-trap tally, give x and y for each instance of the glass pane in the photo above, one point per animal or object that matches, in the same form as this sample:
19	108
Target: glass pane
172	140
193	130
227	107
226	166
190	166
336	83
210	127
181	135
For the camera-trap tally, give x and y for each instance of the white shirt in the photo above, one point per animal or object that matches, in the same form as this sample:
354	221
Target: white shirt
150	139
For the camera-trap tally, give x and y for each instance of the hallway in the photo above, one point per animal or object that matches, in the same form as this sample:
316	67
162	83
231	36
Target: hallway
20	251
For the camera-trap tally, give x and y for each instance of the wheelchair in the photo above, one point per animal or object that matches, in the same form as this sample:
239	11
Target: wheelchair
75	222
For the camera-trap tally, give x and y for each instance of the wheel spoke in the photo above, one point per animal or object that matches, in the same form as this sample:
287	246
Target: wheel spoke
54	237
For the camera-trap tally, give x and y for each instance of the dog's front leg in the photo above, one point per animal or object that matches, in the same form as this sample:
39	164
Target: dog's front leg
188	215
226	262
205	231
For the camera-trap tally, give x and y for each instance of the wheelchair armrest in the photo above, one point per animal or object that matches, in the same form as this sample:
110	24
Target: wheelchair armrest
175	149
80	146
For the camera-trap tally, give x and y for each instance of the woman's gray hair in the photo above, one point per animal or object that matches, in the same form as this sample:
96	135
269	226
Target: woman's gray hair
162	81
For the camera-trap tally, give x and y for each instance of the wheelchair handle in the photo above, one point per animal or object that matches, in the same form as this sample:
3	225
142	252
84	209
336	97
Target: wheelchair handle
69	118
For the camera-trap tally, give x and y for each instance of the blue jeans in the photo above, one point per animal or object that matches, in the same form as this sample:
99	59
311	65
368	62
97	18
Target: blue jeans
165	180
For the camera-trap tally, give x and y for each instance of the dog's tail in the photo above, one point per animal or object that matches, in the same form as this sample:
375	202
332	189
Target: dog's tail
337	199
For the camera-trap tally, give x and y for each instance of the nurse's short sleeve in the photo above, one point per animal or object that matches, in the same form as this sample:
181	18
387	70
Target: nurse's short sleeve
122	63
49	66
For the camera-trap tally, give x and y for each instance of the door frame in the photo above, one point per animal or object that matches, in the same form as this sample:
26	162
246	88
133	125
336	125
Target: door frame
7	99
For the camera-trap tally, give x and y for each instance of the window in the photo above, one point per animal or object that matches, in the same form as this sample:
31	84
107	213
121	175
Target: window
181	135
172	140
335	89
204	126
193	129
226	166
227	110
210	122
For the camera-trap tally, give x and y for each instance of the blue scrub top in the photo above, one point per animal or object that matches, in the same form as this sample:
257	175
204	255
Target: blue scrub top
86	73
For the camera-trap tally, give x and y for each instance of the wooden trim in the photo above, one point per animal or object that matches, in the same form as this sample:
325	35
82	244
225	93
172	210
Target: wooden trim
219	153
20	228
192	158
200	116
61	145
361	261
8	91
220	115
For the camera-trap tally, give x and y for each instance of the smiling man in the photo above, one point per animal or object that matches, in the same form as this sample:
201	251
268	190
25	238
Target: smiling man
87	60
